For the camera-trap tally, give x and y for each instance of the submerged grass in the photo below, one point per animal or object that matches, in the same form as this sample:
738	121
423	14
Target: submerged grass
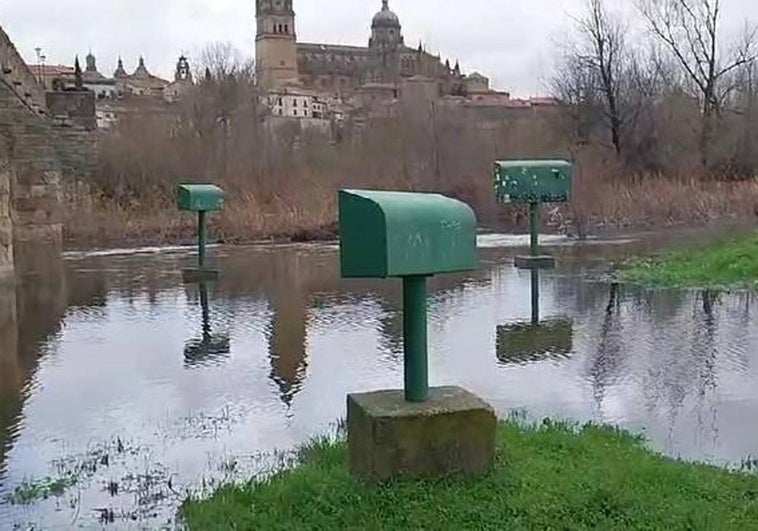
723	263
551	476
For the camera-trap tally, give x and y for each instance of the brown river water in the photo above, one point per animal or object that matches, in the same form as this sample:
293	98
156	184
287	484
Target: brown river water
122	389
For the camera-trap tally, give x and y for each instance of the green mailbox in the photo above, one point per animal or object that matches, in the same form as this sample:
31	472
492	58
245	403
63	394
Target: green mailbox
397	234
533	182
200	198
410	236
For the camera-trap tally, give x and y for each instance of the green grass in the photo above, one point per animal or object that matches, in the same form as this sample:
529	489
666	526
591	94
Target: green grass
551	476
723	263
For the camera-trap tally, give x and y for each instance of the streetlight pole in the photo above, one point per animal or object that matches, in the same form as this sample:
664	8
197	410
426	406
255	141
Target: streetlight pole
39	64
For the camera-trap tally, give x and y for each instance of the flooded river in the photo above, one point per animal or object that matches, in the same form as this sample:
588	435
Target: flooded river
121	389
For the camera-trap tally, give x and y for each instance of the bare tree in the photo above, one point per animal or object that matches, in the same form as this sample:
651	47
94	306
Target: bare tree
591	76
605	36
691	30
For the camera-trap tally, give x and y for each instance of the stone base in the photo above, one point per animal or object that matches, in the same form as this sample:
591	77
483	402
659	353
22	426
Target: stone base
535	262
195	276
453	433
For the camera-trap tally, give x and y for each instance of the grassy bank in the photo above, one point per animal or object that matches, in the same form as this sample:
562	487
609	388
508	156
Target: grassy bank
723	263
546	477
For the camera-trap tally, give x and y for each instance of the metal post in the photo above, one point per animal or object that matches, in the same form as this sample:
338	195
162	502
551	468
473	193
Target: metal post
534	227
415	339
535	297
201	239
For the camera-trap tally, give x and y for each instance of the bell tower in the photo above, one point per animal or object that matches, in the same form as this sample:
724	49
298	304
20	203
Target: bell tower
275	48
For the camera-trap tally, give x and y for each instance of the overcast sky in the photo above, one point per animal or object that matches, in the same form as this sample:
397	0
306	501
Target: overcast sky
508	40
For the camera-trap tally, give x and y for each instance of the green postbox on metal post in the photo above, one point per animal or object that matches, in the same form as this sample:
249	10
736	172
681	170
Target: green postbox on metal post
533	182
413	237
200	198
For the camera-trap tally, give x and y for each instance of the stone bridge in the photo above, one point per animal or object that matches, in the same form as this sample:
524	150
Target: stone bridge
39	143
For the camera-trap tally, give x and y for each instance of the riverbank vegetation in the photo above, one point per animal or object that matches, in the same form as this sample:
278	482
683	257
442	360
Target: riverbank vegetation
551	476
727	262
657	141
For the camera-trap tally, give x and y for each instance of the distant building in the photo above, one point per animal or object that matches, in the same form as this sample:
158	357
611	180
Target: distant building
182	83
123	92
340	69
141	82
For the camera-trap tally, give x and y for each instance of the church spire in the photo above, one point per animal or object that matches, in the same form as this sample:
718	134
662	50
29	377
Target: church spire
78	80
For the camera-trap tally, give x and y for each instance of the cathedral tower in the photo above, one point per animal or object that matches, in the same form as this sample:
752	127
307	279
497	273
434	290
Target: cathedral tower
275	48
386	45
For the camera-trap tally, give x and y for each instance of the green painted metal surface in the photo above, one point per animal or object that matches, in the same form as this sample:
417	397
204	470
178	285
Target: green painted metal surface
533	181
199	198
398	234
416	359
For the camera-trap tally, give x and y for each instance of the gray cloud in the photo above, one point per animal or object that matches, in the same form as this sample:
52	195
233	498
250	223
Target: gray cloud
509	40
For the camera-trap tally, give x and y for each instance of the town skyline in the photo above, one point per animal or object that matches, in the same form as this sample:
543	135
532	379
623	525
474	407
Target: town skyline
517	55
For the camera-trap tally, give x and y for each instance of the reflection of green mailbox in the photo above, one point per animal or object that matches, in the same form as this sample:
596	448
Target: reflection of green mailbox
200	198
412	236
522	343
533	182
210	347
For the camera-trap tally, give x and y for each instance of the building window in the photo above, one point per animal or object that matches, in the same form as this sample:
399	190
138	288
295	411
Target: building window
305	103
294	102
280	101
295	112
305	113
287	28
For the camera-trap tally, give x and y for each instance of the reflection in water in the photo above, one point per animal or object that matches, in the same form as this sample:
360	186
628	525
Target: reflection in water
11	376
210	348
522	343
93	366
287	336
30	312
607	359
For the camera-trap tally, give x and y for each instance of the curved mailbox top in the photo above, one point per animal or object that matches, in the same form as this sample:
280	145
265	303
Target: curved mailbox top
533	181
199	197
398	234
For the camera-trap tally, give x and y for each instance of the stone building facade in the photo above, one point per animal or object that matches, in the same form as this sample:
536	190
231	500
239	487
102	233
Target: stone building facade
340	69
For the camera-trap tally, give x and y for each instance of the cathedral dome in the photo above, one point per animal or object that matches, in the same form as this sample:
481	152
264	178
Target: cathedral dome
385	18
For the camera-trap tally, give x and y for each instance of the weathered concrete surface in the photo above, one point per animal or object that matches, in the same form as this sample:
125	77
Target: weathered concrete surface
453	433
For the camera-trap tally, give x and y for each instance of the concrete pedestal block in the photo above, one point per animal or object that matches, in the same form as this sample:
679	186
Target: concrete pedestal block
535	262
195	276
453	433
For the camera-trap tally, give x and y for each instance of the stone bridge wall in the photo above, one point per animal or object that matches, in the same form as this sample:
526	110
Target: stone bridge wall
30	171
